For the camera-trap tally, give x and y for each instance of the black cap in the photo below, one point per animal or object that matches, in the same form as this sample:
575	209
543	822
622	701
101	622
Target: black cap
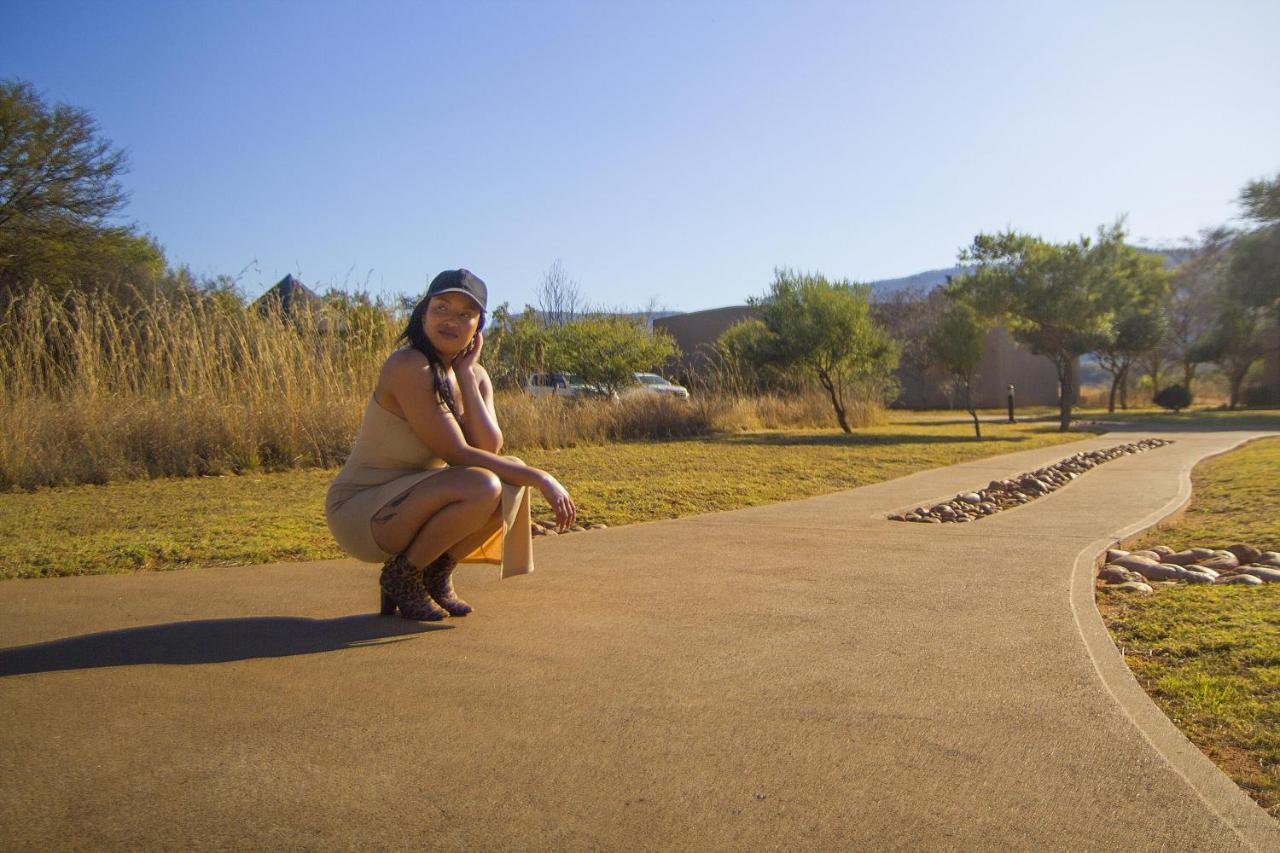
460	281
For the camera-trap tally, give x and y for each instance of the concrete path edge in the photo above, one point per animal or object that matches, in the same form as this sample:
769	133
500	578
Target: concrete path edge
1249	821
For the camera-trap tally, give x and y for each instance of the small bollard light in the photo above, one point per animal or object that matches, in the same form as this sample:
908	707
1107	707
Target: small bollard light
1011	404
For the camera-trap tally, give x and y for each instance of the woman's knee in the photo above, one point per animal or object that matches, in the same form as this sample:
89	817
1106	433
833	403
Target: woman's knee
481	485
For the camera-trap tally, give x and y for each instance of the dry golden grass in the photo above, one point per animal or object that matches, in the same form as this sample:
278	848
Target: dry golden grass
92	391
550	422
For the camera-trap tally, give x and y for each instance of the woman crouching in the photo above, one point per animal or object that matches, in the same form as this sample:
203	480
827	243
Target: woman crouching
423	486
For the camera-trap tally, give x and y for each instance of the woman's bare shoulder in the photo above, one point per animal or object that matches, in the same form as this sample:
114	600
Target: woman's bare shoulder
404	361
401	373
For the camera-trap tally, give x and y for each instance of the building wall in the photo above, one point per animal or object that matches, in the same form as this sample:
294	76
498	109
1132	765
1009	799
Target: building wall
696	331
1004	362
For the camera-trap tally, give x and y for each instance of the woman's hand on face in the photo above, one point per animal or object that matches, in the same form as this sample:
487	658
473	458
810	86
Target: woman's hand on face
468	359
558	496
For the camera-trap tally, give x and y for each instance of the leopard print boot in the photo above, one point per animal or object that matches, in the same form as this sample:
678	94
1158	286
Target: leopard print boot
401	583
438	579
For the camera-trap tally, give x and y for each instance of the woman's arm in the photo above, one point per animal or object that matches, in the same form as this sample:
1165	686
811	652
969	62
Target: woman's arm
410	380
480	419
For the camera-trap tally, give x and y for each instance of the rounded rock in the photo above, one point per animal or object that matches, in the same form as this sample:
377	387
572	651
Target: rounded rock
1222	562
1204	570
1161	572
1239	580
1134	562
1118	574
1244	553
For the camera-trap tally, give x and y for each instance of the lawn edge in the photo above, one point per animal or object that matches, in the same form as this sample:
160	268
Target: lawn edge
1252	825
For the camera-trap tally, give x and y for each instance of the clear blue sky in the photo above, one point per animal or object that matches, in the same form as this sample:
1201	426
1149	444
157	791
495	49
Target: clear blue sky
677	151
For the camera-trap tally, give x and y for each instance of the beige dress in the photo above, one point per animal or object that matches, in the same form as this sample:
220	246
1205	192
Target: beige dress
387	460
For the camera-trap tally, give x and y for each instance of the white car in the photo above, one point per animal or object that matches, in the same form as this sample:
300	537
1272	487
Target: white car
652	383
559	385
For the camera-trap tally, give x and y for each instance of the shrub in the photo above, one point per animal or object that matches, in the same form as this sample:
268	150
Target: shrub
1175	397
607	351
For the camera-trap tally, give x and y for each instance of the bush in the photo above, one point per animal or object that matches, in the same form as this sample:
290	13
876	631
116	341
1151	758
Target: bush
607	351
1175	397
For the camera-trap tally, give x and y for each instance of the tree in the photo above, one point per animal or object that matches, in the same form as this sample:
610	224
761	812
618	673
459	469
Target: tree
59	189
908	315
1233	342
1137	288
607	351
515	346
737	363
1135	332
559	297
1059	300
53	166
1191	304
826	330
1255	256
954	345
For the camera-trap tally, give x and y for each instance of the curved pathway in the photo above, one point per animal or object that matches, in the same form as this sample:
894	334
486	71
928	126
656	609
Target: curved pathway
803	675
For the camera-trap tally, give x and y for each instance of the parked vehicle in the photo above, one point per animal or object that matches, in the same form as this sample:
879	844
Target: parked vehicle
559	385
652	383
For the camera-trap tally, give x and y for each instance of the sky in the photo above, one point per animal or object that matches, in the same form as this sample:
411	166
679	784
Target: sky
666	153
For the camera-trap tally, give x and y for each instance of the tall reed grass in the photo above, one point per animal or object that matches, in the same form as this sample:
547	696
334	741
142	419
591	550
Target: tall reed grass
93	391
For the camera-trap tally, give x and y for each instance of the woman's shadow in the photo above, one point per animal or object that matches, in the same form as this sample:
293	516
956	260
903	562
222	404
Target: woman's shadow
208	641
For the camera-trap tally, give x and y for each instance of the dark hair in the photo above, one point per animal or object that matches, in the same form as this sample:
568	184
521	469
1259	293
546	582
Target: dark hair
416	337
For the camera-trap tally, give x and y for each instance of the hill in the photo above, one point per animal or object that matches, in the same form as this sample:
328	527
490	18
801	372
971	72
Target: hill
929	279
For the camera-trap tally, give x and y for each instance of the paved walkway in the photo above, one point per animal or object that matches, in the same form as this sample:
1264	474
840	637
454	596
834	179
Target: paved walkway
804	675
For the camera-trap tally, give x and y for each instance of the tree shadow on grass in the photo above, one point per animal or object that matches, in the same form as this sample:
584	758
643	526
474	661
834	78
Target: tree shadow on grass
208	641
1205	422
785	439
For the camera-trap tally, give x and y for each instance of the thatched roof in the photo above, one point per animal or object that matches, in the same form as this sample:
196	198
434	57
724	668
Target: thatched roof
289	295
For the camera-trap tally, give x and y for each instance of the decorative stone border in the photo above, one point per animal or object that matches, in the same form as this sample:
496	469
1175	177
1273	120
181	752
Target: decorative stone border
1016	491
548	528
1160	565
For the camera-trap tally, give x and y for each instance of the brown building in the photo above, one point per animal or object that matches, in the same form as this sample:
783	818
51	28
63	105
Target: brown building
1004	363
695	332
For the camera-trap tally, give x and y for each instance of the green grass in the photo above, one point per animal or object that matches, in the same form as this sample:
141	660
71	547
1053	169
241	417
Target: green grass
174	523
1210	656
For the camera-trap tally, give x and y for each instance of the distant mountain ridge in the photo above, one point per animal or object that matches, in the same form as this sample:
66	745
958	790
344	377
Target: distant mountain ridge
929	279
